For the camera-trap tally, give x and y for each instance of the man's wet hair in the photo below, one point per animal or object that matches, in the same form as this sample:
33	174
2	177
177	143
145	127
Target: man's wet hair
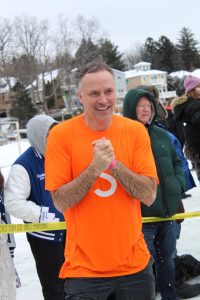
93	67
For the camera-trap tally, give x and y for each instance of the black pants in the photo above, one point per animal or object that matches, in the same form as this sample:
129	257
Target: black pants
139	286
49	257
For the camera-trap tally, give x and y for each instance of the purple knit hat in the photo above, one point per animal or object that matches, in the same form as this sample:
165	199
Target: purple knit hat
190	83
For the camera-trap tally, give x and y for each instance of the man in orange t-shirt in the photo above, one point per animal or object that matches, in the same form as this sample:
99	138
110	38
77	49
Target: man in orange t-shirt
99	167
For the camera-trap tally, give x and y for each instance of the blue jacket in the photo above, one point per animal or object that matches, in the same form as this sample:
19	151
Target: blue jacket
190	183
33	162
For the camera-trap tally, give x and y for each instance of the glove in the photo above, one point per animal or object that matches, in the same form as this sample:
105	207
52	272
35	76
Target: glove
46	216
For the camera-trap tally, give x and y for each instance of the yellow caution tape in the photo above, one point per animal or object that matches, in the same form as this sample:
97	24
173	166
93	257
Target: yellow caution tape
30	227
175	217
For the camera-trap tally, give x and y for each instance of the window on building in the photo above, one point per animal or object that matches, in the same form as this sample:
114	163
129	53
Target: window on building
154	77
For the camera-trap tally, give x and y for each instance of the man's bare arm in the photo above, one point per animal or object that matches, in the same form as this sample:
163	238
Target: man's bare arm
74	191
140	187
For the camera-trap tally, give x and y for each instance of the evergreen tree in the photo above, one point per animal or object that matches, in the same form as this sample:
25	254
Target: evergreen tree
187	49
53	94
86	53
165	55
148	52
111	55
22	107
175	84
48	88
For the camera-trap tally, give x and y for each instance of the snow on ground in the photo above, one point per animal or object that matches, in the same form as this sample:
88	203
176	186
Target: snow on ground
25	265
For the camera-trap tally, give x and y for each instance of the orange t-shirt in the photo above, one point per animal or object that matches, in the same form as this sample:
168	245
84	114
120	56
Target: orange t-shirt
104	237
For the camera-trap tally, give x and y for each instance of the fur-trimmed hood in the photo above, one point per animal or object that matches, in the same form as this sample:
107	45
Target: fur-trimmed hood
178	105
187	111
179	100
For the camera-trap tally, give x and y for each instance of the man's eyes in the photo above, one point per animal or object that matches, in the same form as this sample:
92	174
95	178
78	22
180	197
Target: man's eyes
94	94
108	92
98	94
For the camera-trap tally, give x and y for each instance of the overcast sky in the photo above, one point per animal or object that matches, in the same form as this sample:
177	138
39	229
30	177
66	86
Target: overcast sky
126	22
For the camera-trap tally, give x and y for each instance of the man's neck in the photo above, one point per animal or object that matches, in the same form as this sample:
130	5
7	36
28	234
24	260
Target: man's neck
98	125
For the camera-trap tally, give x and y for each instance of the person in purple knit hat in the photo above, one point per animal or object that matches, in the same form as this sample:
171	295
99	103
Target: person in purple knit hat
187	110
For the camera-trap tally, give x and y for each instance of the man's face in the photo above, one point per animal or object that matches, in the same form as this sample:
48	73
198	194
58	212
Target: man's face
98	96
144	110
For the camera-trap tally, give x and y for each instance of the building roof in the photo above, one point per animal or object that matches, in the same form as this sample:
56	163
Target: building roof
142	63
48	76
196	73
180	74
134	73
4	87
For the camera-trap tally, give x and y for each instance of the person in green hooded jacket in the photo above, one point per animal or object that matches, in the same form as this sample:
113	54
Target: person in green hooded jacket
160	237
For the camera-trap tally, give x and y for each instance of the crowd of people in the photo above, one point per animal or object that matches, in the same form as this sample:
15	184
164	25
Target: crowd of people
102	172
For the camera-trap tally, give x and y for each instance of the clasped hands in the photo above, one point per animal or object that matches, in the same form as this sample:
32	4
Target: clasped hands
103	154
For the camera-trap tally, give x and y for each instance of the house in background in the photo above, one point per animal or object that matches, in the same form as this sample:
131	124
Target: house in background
143	75
67	100
121	88
37	89
65	87
6	96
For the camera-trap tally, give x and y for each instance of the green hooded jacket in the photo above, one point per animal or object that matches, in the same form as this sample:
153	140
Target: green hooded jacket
169	167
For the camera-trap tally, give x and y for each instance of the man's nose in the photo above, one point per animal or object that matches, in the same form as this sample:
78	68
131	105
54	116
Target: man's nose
102	98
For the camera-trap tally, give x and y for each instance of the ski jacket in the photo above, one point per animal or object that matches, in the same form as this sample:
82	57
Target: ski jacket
169	167
25	193
187	110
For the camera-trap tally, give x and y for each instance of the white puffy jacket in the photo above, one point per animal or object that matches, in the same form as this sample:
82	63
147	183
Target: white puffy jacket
7	270
16	192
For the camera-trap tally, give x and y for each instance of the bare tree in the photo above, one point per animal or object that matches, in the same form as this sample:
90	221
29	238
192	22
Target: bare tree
32	40
87	28
5	50
88	32
64	45
133	56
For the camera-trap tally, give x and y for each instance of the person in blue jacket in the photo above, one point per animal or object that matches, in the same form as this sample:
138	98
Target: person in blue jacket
27	199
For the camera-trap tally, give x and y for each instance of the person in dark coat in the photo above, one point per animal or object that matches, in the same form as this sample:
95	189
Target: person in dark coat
174	126
160	236
187	110
186	266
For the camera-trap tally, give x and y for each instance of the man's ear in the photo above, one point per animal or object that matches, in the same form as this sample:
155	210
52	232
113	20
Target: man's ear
79	95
